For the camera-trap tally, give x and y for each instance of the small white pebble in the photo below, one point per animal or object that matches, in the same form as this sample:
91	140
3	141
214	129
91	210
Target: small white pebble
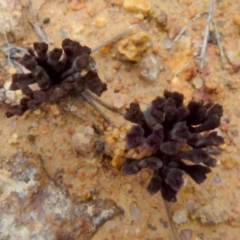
15	136
100	22
73	108
18	92
180	216
134	211
37	112
139	16
12	70
150	68
6	85
197	82
119	100
10	95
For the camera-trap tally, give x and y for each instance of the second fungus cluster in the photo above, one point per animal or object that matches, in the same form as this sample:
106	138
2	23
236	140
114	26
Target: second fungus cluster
177	136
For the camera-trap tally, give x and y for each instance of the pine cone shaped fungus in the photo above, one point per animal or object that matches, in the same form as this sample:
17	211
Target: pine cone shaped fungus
168	127
56	76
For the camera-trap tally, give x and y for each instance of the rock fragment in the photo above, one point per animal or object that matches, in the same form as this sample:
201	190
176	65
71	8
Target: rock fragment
137	6
38	209
133	47
185	234
180	216
197	82
150	68
83	141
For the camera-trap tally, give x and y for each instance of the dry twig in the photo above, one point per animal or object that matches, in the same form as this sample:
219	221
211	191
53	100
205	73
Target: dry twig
94	106
114	38
185	65
217	35
201	58
206	34
186	27
172	224
99	101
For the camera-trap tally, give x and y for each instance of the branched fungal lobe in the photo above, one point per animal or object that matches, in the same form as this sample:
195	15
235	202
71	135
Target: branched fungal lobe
56	76
173	132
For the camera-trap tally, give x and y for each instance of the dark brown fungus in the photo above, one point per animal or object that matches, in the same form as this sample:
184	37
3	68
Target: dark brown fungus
165	127
56	77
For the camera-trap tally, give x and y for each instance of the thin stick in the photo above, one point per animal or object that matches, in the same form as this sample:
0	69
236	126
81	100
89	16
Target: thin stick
222	54
83	118
114	39
173	226
90	102
39	31
186	65
98	100
206	34
197	16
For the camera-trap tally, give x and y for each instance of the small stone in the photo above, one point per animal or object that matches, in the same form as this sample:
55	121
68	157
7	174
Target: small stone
134	211
73	108
55	110
76	5
180	216
167	43
12	70
18	93
137	6
161	20
83	141
6	85
197	82
223	146
119	100
46	20
109	75
150	68
118	158
211	84
217	179
38	112
10	95
236	20
115	133
100	22
185	234
139	16
14	139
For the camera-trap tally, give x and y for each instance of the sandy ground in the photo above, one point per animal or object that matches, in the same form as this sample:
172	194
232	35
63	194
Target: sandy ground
207	211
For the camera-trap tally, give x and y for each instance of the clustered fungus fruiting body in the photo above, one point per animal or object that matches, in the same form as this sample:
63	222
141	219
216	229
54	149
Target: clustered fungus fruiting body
56	76
174	133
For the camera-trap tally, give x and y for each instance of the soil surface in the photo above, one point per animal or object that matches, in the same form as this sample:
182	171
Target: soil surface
73	155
